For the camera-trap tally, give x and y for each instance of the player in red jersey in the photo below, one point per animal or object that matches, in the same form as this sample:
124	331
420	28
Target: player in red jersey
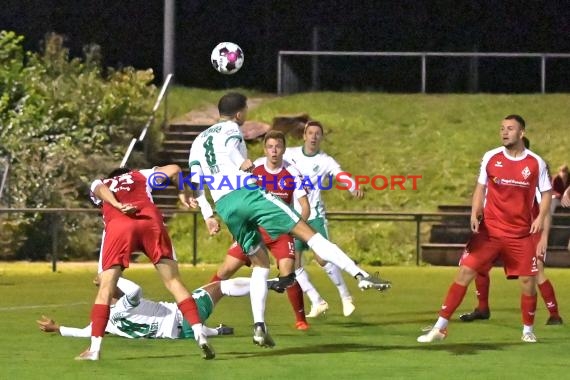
281	179
134	223
502	223
482	280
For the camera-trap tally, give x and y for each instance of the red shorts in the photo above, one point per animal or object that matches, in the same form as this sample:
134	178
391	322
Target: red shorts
125	236
517	254
280	248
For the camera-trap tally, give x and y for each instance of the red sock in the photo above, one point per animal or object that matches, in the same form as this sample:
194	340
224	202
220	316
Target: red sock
295	295
482	282
189	311
452	301
215	278
547	293
99	319
528	308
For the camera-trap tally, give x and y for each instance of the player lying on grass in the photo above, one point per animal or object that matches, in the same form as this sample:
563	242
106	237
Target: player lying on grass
133	316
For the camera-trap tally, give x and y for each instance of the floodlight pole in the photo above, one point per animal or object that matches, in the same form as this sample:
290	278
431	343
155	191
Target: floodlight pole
169	37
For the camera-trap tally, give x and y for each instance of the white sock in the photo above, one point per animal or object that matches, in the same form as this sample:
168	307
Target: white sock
332	253
528	329
441	323
335	275
96	343
208	331
235	287
197	329
258	293
307	286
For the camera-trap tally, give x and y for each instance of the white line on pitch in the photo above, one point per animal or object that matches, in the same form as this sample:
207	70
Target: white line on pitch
12	308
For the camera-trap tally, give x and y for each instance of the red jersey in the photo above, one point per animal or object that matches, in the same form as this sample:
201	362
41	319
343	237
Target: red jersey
130	188
511	191
284	182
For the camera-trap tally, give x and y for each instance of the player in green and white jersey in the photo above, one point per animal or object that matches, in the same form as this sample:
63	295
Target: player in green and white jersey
318	170
218	159
133	316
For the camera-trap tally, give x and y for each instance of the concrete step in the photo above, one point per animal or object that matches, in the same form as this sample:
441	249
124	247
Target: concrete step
187	127
176	135
449	254
177	145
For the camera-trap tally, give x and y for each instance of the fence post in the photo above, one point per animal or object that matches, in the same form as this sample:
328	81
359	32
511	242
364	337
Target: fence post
543	74
195	244
418	245
279	74
54	229
424	74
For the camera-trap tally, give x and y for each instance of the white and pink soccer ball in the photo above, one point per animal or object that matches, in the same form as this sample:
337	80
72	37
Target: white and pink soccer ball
227	58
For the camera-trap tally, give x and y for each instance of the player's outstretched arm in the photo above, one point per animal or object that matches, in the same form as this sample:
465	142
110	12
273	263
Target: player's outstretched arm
49	325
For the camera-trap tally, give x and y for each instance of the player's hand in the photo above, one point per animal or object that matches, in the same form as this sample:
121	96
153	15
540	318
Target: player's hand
47	325
187	201
126	208
475	221
213	225
536	226
541	248
247	166
358	193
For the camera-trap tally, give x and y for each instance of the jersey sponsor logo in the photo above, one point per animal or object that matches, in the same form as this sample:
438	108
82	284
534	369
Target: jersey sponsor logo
509	182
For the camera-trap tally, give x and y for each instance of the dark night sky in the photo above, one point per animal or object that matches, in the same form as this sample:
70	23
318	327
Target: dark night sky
131	33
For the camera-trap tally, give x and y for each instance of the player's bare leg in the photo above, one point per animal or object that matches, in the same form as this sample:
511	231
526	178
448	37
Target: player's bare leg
168	271
228	268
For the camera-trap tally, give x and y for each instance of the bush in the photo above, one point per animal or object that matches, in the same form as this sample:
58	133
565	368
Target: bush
64	122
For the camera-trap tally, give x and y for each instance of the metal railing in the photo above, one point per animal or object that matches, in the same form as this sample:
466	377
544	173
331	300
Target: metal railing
423	60
134	140
339	216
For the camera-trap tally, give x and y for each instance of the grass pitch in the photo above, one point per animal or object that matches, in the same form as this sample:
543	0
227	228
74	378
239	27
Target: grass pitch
377	341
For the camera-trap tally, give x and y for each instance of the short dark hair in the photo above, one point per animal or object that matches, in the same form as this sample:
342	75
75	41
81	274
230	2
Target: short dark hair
313	123
518	118
274	134
231	103
118	171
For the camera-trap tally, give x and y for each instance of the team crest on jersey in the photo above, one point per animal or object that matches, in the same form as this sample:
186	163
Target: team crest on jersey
315	168
525	172
499	164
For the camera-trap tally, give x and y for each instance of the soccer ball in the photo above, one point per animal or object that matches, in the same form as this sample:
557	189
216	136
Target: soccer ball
227	58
